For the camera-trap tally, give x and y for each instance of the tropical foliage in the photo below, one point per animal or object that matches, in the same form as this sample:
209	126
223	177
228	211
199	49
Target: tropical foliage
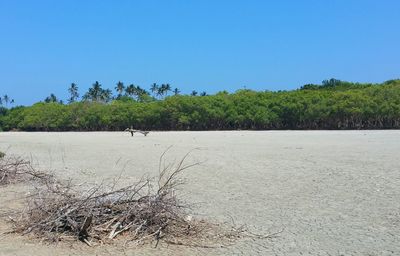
332	105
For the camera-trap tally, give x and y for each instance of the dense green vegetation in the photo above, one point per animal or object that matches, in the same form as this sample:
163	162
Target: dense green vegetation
332	105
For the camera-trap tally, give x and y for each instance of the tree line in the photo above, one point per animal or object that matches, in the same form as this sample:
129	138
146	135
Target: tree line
333	104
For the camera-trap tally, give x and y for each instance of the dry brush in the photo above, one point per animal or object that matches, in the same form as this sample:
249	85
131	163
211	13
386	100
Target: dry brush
146	210
14	169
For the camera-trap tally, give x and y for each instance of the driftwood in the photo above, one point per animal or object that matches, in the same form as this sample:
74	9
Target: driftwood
145	210
132	131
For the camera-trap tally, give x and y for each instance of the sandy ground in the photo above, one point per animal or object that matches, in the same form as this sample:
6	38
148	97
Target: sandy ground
332	192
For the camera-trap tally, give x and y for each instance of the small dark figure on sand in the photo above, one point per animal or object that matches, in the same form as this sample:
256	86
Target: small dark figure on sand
132	131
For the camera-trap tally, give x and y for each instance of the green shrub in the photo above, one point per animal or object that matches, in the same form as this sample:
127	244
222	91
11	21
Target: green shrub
333	105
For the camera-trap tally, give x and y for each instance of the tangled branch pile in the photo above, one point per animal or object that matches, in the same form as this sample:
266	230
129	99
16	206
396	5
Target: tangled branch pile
15	169
140	211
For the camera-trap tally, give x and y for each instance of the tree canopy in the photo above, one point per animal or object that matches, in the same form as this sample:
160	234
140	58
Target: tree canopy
334	104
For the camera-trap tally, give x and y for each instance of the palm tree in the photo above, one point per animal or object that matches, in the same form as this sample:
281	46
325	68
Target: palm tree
161	90
138	91
203	94
130	90
97	93
94	93
167	88
154	89
106	95
176	91
51	98
142	94
193	93
97	89
164	89
120	89
6	99
73	91
142	91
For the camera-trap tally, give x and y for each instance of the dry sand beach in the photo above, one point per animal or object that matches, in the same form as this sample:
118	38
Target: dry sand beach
331	192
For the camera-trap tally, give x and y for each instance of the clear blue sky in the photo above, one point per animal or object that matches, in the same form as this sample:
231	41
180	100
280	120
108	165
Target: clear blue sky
206	45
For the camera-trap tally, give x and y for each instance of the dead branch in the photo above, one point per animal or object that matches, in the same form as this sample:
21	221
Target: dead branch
132	131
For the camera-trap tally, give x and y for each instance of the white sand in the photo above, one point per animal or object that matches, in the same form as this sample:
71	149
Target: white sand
333	192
